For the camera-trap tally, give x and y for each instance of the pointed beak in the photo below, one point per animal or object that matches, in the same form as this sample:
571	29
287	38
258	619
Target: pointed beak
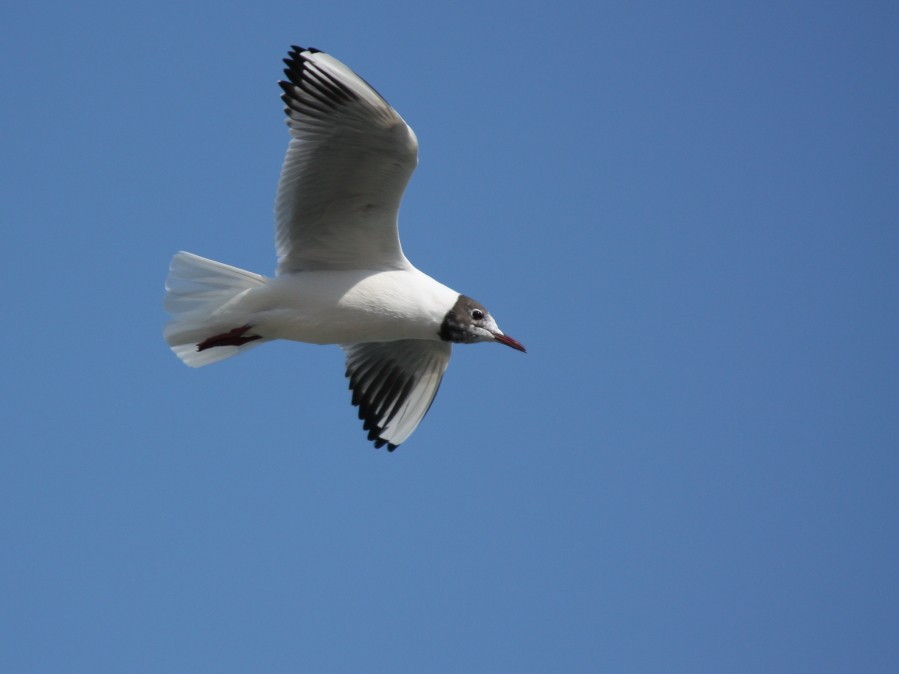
508	341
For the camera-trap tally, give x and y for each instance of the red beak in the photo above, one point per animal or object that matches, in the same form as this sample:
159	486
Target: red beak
508	341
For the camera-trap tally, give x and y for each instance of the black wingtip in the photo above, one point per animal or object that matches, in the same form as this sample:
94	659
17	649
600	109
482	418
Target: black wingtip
296	51
295	57
374	434
380	442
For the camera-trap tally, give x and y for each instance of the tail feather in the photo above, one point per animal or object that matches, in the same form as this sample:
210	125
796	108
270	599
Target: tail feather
200	296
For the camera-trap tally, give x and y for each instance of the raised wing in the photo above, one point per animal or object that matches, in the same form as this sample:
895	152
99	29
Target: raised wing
394	384
347	165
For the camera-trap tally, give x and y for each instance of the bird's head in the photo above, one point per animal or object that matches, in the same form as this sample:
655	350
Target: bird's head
468	322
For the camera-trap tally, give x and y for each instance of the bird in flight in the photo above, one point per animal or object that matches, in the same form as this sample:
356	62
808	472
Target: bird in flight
341	277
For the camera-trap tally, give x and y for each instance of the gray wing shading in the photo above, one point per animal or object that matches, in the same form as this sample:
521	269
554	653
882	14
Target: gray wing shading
347	165
394	384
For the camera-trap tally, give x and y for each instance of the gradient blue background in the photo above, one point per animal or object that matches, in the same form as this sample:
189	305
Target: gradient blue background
688	212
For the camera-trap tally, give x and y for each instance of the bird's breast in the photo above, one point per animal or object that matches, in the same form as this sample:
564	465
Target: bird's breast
349	307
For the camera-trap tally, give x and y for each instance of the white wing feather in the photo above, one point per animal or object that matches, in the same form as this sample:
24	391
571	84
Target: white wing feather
347	165
394	384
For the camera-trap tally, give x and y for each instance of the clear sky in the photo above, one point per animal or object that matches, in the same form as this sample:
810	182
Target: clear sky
688	212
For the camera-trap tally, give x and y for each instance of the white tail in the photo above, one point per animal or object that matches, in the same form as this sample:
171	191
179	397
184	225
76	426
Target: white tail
198	295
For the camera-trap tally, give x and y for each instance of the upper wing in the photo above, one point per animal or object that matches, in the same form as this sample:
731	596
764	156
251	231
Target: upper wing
394	384
347	165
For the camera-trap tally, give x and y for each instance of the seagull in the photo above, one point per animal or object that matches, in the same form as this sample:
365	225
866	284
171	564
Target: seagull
341	276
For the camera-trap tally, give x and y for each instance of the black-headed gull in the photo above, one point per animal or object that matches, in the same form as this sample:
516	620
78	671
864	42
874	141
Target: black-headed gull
342	277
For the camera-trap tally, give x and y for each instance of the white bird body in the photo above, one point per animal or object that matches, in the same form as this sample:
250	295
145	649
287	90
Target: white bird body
352	306
342	276
342	306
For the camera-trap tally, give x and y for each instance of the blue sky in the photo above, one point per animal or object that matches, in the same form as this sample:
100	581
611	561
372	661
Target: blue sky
688	213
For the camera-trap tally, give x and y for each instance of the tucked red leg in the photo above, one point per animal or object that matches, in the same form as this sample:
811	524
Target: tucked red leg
233	337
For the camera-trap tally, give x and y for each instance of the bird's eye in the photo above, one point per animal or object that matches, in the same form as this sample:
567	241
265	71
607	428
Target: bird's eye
477	314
